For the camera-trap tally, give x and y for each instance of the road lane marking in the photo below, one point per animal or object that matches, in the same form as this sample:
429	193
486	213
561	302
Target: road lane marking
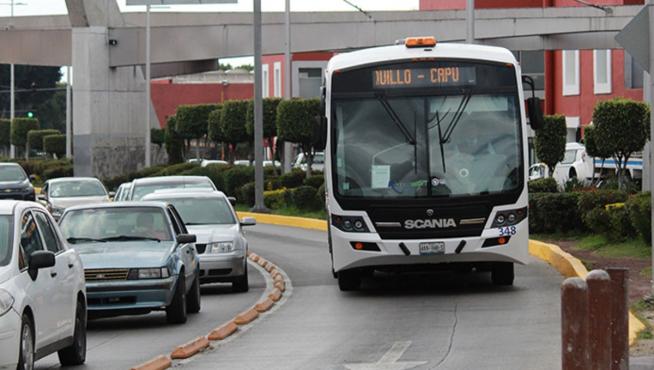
389	360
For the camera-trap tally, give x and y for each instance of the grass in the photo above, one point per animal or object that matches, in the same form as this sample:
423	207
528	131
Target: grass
599	244
289	211
641	309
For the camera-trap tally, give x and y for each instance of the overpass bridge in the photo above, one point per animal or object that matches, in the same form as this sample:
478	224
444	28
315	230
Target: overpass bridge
105	47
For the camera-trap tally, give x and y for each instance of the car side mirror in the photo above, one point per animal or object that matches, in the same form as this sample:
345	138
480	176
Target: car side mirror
248	221
186	238
42	197
535	113
39	260
32	177
232	201
112	194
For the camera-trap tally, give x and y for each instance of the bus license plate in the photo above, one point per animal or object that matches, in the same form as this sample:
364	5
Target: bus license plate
432	248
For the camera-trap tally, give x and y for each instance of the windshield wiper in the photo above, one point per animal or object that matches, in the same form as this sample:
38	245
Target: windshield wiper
73	240
396	119
457	116
198	223
128	237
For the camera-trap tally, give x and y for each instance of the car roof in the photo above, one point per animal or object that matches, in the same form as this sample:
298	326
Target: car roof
10	164
170	193
128	204
63	179
8	207
170	179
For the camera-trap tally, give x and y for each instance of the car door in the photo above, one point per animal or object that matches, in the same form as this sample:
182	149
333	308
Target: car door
40	290
63	275
188	253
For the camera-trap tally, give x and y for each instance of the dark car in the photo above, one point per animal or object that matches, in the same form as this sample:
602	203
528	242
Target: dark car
137	257
14	183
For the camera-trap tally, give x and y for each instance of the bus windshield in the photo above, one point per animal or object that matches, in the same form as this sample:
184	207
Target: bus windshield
464	143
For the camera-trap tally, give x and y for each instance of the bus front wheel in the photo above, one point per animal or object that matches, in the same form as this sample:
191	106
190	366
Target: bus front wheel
502	273
349	280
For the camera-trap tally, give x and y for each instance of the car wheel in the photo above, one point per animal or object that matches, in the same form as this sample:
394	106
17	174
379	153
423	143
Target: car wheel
241	284
176	311
26	355
349	280
502	273
75	354
193	298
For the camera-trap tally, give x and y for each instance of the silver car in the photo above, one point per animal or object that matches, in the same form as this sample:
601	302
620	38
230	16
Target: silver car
59	194
221	243
143	186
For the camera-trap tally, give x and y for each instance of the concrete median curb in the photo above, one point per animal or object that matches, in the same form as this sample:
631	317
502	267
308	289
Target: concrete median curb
264	305
223	331
570	266
158	363
189	349
301	222
246	317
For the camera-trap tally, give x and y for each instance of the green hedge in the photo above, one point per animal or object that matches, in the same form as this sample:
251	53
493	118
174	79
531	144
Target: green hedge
58	171
236	177
305	198
554	212
315	181
639	210
292	179
19	129
35	138
5	132
157	136
545	185
245	194
55	145
192	120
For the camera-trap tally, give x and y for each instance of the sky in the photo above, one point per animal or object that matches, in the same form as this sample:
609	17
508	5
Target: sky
47	7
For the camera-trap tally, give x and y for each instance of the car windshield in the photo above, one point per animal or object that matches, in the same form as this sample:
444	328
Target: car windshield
142	190
5	240
203	211
569	156
423	146
12	173
115	224
76	188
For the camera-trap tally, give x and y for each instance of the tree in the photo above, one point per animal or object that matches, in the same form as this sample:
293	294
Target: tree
33	79
5	133
593	149
224	67
550	141
246	67
296	123
55	145
52	112
192	122
174	142
269	120
19	129
214	129
157	136
622	127
232	123
35	138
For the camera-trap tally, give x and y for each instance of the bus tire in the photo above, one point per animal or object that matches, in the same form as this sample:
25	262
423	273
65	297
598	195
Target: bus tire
502	273
349	280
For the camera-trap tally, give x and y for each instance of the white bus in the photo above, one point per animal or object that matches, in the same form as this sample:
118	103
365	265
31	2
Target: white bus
426	159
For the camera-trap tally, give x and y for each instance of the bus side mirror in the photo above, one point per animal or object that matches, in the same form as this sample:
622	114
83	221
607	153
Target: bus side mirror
535	113
320	132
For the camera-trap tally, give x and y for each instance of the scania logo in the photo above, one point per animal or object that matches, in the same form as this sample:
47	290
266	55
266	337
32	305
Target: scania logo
430	212
437	223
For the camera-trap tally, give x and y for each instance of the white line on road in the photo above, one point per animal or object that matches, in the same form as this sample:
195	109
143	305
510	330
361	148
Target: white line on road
389	360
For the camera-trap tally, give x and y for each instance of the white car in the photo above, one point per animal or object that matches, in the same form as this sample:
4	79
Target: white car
576	163
221	243
207	162
242	162
61	193
122	192
143	186
317	165
42	290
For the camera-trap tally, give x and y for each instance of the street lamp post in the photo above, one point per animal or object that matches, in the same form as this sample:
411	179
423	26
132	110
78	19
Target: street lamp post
288	147
147	86
470	22
258	113
69	131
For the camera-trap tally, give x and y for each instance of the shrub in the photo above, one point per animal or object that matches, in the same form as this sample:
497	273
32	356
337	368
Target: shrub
573	184
246	194
546	185
273	183
620	224
598	199
157	136
597	220
275	199
269	117
321	193
639	210
174	141
19	129
35	138
292	179
5	132
55	145
305	198
232	121
315	181
192	120
214	130
58	171
214	173
236	177
296	123
553	212
550	141
175	169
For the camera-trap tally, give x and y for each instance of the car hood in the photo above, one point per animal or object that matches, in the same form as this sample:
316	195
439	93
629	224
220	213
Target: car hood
5	273
124	254
213	233
14	184
77	201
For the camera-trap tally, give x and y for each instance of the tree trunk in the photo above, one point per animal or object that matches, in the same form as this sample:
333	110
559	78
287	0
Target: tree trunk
309	155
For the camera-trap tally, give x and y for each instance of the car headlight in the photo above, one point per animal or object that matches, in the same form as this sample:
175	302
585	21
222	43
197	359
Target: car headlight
220	247
57	211
150	273
6	301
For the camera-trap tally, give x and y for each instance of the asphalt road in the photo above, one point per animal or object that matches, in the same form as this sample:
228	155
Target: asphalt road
422	321
122	342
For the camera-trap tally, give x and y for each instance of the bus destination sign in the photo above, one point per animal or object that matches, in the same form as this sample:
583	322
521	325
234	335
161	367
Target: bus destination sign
389	78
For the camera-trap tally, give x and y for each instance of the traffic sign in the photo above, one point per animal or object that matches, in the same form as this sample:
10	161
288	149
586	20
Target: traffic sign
634	37
179	2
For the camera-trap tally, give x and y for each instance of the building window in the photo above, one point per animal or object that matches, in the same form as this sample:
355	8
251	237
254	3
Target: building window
277	79
310	81
532	64
265	83
602	71
570	72
572	125
633	74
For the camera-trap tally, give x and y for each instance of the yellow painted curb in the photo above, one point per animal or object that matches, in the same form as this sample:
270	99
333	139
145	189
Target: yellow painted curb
300	222
570	266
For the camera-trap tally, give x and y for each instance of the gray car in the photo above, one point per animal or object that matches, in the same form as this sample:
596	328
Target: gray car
221	243
142	187
59	194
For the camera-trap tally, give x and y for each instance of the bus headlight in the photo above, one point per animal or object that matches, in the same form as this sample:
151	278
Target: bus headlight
350	224
509	217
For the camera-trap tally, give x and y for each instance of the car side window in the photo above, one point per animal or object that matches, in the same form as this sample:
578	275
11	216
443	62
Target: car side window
174	222
30	239
182	225
49	235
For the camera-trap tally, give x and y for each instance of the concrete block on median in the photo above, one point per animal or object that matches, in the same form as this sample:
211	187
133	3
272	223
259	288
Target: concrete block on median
158	363
223	331
246	317
191	348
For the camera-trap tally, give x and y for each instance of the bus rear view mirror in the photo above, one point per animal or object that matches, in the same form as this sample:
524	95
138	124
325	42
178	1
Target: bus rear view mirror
535	113
320	133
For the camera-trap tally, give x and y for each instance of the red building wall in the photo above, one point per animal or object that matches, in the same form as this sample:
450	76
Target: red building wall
270	60
166	96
